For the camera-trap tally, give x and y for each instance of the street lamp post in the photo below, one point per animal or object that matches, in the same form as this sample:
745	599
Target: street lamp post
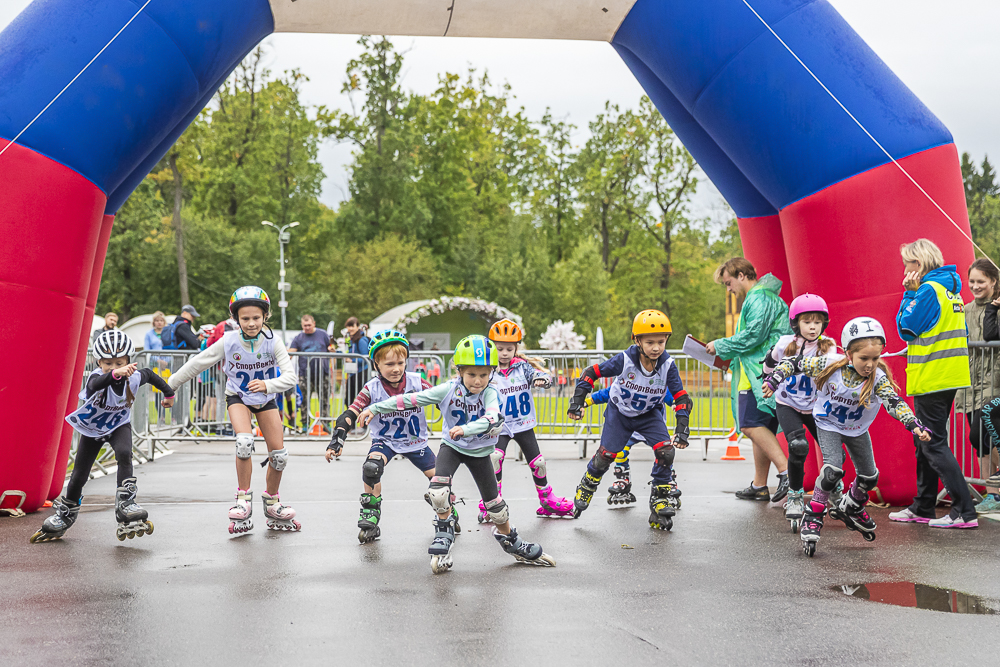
284	237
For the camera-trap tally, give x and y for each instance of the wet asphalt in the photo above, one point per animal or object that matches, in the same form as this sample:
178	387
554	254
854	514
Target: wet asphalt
728	586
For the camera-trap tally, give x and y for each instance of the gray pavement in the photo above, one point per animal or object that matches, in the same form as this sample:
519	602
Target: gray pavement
728	586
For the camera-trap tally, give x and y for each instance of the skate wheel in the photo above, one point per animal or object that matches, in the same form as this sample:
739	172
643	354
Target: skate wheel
546	560
232	529
809	548
678	506
795	526
440	564
869	537
121	537
149	527
480	519
130	535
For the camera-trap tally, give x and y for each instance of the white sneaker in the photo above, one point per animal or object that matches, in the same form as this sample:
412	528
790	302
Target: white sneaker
948	522
906	516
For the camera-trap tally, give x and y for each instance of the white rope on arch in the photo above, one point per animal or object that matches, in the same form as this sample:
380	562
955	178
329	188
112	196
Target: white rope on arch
865	130
79	74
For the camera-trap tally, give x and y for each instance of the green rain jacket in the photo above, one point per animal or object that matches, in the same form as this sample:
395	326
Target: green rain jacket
763	320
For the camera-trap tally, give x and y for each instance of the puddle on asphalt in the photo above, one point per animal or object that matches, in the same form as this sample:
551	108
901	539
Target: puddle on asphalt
920	596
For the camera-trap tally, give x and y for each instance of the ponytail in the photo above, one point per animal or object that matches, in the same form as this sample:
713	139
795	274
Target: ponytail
823	346
536	362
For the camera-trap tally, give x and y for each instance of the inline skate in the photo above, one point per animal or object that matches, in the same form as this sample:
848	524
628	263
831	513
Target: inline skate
371	512
812	525
240	513
620	491
585	493
440	549
132	519
552	505
661	511
525	552
54	527
794	508
278	516
852	512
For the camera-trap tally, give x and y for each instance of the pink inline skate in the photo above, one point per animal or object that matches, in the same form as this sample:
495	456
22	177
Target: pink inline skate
553	505
279	517
239	514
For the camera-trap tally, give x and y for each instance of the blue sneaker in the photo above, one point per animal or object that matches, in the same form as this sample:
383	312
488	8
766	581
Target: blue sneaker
989	505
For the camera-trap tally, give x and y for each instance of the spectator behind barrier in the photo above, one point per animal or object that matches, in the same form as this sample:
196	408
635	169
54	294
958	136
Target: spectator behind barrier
110	324
981	319
152	340
931	319
317	380
179	335
357	344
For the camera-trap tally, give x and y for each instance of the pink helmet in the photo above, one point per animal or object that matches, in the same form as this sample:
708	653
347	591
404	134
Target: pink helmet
807	303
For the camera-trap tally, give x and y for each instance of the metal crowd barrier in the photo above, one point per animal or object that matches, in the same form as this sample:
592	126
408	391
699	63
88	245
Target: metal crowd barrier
983	359
332	380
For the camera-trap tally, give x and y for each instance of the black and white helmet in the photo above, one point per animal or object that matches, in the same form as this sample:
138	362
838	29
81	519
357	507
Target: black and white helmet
861	327
113	344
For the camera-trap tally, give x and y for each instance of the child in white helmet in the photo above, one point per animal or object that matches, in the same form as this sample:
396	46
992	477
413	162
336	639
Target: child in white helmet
252	361
105	418
850	391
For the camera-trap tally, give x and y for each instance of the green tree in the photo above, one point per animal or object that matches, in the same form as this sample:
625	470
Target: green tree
982	196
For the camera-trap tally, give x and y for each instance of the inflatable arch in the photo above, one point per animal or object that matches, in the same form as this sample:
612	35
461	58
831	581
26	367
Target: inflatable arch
819	204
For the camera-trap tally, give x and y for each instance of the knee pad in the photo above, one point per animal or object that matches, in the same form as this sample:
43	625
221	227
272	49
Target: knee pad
829	476
371	471
798	447
664	453
602	459
439	495
537	466
244	445
866	483
279	459
497	509
496	458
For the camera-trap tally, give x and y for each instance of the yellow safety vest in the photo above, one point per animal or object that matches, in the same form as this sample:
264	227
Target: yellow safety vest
938	359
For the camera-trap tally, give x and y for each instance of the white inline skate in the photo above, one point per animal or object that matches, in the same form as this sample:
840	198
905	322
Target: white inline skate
240	513
279	517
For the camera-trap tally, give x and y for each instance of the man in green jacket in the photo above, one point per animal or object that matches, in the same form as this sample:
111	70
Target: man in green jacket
763	319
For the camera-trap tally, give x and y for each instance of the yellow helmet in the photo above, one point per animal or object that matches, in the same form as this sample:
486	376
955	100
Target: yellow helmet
649	322
506	331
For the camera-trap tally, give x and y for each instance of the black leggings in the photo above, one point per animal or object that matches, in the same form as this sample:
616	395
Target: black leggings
86	453
529	445
794	424
481	468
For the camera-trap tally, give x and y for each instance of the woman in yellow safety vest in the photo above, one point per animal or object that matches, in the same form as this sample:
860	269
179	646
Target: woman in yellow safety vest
931	320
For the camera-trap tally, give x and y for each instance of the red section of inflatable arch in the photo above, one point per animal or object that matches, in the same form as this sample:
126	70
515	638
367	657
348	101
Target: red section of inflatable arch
50	223
763	246
843	243
66	438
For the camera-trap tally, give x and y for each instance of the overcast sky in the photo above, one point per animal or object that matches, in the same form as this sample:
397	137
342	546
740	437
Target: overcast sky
947	53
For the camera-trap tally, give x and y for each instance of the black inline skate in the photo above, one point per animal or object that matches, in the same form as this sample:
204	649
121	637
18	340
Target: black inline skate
131	517
371	512
620	491
525	552
440	549
812	525
855	516
585	493
54	527
661	509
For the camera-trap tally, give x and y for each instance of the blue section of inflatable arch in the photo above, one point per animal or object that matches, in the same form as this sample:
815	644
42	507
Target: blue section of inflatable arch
137	97
757	103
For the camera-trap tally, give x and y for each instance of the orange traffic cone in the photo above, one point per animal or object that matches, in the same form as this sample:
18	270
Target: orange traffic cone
318	429
733	450
258	433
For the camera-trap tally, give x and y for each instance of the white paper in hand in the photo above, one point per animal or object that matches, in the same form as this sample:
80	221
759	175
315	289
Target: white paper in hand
695	349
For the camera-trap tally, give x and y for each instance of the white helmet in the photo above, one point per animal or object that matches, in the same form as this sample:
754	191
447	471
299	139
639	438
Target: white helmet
861	327
113	344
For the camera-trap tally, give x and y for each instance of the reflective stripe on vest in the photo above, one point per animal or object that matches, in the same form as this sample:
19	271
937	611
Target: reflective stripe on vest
938	359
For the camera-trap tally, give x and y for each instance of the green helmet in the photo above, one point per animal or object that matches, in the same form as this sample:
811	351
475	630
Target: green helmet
476	351
382	338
